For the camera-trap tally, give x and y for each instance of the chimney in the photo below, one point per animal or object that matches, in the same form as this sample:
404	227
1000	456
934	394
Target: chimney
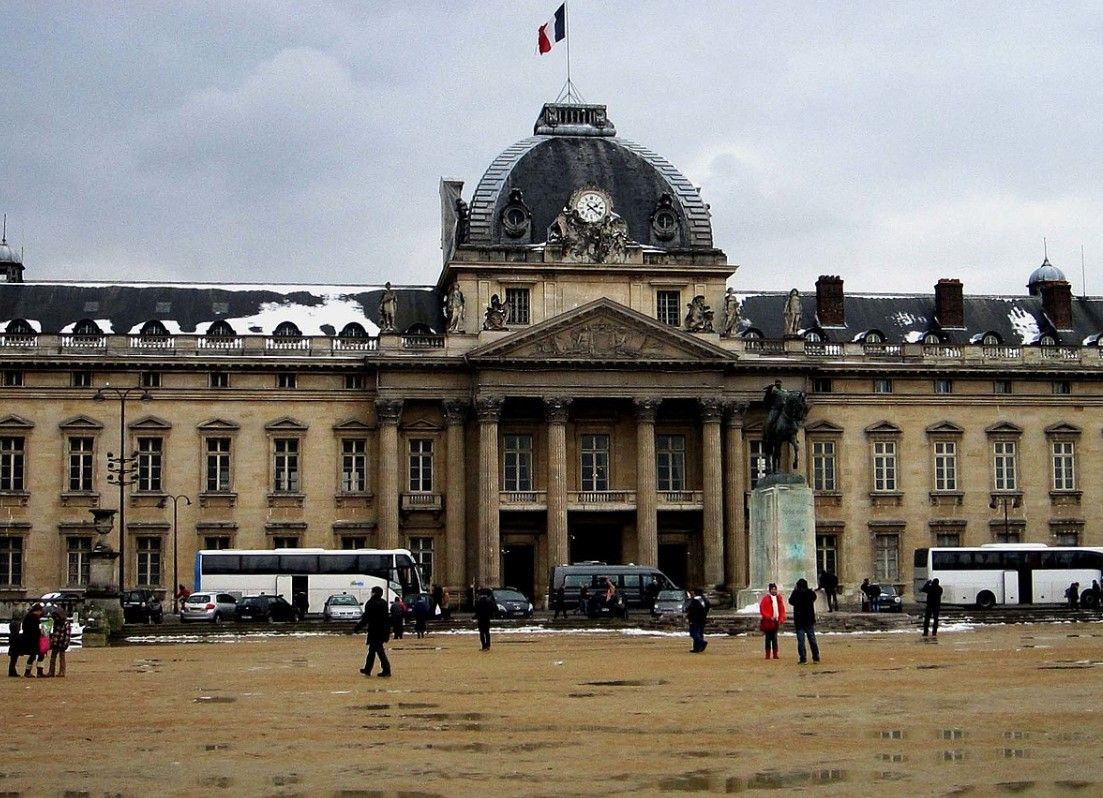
949	308
829	301
1057	303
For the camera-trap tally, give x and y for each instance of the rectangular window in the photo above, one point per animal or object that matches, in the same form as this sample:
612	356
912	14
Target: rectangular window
78	551
884	466
1066	537
517	462
354	465
517	306
1008	536
149	562
943	386
216	542
285	381
947	539
218	379
886	552
821	385
595	462
421	465
12	463
756	462
286	465
1001	386
1062	387
150	463
354	382
81	379
80	464
11	561
882	386
1064	461
354	542
13	379
823	466
1003	464
670	456
218	465
150	379
945	465
827	553
285	542
422	550
668	307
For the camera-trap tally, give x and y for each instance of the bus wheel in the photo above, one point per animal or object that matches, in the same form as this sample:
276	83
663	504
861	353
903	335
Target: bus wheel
986	600
1088	600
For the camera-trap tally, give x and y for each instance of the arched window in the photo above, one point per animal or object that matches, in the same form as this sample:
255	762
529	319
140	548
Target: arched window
287	329
353	330
419	329
154	329
990	339
873	337
19	327
752	334
1098	341
221	329
86	328
932	338
813	337
1047	340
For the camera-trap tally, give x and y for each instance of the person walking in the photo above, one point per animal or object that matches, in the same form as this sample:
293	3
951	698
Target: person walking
31	638
559	602
60	636
379	630
697	612
484	611
829	583
772	610
651	594
15	645
398	617
1073	595
803	600
933	606
421	616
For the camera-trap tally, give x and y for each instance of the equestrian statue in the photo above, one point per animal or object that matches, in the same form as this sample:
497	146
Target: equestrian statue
785	417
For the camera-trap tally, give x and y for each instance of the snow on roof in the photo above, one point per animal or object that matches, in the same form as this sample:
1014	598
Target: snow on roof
34	324
103	324
1025	325
337	310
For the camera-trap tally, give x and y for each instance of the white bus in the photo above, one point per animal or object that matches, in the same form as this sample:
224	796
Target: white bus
317	573
1008	573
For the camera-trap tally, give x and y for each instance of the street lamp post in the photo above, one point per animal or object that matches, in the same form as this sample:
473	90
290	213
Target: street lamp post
175	574
1006	502
121	469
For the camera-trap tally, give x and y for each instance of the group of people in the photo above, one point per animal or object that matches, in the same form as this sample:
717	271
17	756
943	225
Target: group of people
605	597
35	636
1092	595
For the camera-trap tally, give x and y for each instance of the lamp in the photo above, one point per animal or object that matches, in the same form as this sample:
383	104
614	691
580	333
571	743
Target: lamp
175	572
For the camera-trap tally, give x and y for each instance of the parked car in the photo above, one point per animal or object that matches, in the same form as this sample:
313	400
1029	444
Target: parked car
342	607
889	600
209	606
631	581
141	606
412	598
265	608
670	602
511	603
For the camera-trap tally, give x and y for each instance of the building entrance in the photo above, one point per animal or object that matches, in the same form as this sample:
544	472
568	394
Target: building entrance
674	562
597	537
519	567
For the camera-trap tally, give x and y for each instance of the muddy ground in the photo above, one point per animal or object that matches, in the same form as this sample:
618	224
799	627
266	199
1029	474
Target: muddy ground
993	710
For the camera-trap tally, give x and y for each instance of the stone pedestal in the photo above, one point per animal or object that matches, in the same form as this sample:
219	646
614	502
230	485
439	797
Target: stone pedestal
782	537
102	596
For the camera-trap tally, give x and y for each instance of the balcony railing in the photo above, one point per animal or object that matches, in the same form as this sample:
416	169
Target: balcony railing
523	498
691	498
423	342
280	344
355	344
1061	352
84	342
823	349
208	343
422	501
614	499
883	350
21	341
1003	352
941	350
158	343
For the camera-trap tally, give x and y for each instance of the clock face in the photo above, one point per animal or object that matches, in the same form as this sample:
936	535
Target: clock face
591	206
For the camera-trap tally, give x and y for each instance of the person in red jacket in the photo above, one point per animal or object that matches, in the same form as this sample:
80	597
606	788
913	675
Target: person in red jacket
772	610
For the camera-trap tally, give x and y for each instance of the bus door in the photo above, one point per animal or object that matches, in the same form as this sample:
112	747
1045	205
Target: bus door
1010	587
1026	586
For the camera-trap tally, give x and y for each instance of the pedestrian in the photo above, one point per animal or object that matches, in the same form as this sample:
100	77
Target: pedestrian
60	636
376	620
421	616
651	594
933	606
803	600
398	617
301	604
31	638
1095	593
559	602
772	610
15	645
484	611
583	601
438	598
697	612
865	595
182	594
445	604
1073	595
829	582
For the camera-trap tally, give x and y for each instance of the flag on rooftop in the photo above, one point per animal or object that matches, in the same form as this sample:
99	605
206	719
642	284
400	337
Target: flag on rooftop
552	31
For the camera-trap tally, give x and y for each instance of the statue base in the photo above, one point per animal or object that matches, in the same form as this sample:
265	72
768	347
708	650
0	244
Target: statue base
782	546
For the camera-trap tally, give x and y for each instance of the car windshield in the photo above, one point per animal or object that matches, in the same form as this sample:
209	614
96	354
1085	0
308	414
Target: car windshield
888	590
509	595
670	595
344	601
254	600
198	598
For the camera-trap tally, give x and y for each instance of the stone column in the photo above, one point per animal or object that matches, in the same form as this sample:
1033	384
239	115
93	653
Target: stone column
388	411
489	410
713	489
647	519
735	542
455	508
556	410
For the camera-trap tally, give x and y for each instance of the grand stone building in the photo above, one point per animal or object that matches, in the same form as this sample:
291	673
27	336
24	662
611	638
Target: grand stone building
581	383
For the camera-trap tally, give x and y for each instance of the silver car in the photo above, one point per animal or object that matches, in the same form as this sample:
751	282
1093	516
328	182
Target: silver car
209	606
342	607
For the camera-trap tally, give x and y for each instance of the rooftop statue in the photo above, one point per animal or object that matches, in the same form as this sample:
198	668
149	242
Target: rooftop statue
793	314
455	312
784	419
731	314
495	315
388	306
698	315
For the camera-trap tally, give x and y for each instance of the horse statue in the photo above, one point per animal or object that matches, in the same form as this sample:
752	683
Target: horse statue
787	411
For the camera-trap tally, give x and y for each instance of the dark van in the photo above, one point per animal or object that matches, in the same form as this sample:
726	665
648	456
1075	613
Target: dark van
630	580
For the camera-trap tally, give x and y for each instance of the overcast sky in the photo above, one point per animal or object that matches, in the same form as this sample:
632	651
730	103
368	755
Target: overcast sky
890	143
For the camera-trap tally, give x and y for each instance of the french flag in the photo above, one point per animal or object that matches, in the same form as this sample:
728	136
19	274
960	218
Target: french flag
552	31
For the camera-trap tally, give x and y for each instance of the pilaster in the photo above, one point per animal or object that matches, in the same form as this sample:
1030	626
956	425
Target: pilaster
388	411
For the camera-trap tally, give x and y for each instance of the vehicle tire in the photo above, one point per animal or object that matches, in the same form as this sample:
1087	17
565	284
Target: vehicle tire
1088	600
160	618
217	619
986	600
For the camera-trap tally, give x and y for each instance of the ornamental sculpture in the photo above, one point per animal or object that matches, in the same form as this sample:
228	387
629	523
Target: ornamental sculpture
455	312
784	419
587	230
699	315
793	314
731	314
495	315
388	307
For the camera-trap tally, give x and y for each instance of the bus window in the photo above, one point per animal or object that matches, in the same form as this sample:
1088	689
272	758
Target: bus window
221	563
298	564
338	564
374	564
259	563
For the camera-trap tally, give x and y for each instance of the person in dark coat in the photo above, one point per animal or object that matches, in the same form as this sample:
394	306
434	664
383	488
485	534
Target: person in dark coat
377	621
934	606
32	639
421	615
803	600
697	612
484	611
651	593
583	601
829	583
15	646
398	617
559	602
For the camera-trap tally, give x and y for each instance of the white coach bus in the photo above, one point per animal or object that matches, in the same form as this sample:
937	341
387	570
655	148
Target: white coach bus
1008	573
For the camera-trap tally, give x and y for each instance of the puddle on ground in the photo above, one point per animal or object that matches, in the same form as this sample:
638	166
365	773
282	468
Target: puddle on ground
216	747
894	758
708	781
891	775
1016	753
1015	786
1016	735
890	734
216	782
283	779
459	747
1075	785
215	699
371	707
956	755
627	683
383	794
415	705
447	716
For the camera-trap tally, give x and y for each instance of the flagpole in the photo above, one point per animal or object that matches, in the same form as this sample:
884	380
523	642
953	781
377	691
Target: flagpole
567	31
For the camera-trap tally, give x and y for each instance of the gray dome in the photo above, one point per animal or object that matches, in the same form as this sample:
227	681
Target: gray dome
7	254
563	157
1046	273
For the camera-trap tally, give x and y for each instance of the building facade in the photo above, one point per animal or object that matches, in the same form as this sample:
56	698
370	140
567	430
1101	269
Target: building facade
580	384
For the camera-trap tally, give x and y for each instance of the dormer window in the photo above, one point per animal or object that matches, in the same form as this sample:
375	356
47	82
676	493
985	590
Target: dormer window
990	339
86	328
154	329
221	329
353	330
1047	340
813	337
287	331
932	338
873	337
19	327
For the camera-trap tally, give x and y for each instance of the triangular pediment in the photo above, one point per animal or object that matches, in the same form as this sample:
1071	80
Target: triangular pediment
218	425
883	428
352	425
285	424
945	428
1004	428
421	425
150	423
602	331
81	422
15	423
823	427
1063	428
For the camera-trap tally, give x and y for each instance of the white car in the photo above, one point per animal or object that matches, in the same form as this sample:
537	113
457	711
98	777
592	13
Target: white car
209	606
342	607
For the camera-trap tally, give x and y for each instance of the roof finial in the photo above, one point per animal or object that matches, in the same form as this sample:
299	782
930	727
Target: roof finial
4	237
1045	249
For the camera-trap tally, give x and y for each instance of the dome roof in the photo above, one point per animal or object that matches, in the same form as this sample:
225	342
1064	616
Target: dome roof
1046	273
576	146
8	254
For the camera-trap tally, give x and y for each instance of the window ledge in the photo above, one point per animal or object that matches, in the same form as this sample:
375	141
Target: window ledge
949	498
286	499
217	498
1065	497
14	498
80	499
